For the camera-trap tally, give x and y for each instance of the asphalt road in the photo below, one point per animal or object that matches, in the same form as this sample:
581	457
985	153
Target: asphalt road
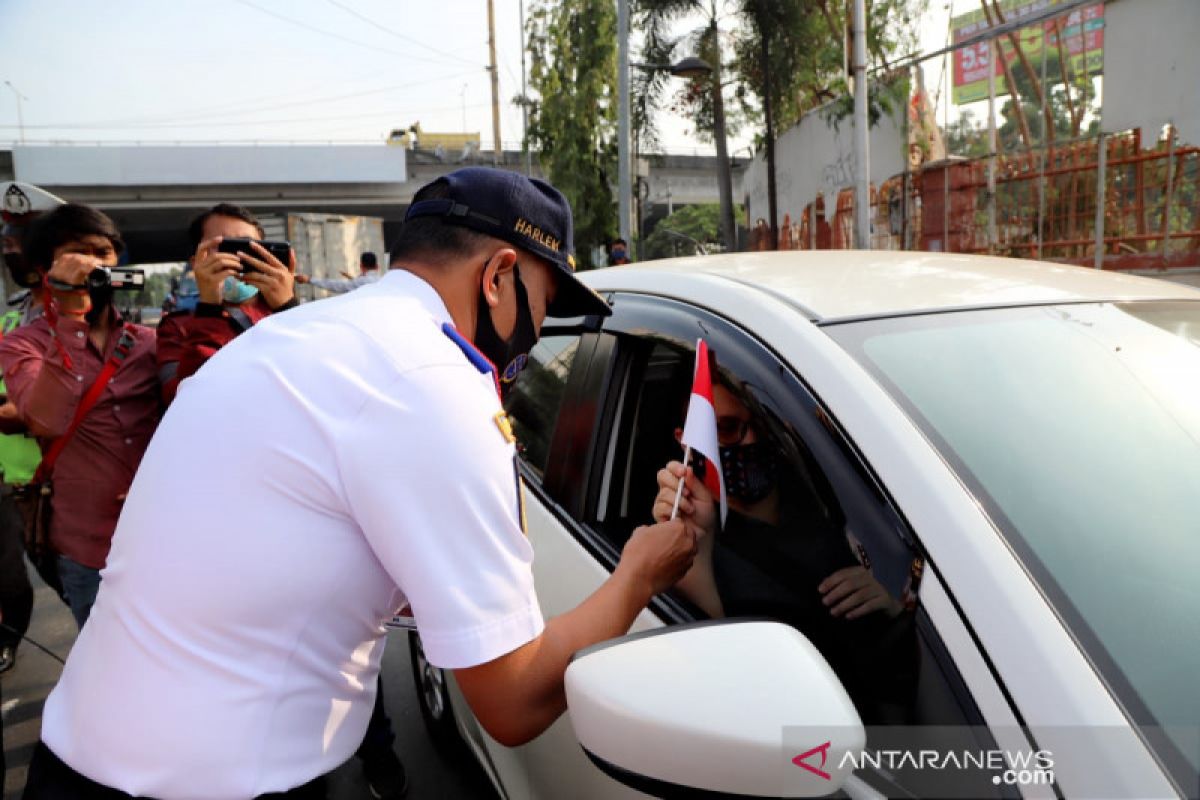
26	685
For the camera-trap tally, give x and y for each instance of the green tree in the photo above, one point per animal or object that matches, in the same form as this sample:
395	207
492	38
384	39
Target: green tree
1071	100
1073	111
573	118
792	51
687	231
806	40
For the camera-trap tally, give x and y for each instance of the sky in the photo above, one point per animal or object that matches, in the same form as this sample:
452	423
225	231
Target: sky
270	70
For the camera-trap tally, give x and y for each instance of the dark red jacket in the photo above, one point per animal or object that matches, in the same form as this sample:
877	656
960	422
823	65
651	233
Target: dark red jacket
187	339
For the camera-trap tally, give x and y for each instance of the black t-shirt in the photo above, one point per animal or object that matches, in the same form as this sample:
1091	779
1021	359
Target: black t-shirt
773	571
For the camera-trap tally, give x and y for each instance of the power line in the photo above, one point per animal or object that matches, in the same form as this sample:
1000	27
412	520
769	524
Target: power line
398	35
204	114
333	35
214	124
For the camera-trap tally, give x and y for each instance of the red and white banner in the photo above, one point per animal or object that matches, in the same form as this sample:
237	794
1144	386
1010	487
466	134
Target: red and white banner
700	429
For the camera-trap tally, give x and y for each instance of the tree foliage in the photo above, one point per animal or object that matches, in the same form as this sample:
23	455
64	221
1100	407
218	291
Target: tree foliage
1073	104
688	231
1073	93
573	118
807	39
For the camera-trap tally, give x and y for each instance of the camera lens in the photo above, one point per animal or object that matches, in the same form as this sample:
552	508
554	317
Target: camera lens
98	278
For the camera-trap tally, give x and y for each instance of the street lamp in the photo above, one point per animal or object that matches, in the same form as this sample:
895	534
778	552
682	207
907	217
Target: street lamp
689	68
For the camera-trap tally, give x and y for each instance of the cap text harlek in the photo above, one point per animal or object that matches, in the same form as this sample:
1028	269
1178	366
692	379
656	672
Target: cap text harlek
525	228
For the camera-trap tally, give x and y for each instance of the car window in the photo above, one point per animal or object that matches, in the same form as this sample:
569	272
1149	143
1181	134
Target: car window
536	398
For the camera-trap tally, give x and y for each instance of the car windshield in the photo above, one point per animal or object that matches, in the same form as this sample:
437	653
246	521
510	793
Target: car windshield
1078	429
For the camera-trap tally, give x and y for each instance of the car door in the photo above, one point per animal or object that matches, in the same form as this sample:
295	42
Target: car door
593	437
554	408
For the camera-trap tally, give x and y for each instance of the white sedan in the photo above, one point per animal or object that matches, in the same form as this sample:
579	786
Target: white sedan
964	509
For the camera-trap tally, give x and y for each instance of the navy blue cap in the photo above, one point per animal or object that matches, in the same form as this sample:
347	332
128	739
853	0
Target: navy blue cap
525	212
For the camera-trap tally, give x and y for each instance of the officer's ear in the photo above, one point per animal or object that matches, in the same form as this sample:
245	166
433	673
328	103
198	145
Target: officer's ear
496	272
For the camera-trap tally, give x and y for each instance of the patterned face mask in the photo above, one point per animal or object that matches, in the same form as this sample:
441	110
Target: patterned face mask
750	471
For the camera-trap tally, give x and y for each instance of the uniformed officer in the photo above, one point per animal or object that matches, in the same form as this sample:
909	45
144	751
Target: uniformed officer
235	644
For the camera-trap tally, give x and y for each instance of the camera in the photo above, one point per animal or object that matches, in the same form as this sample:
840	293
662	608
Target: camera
119	278
281	250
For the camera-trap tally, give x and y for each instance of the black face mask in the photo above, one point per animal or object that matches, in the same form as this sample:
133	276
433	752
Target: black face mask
22	274
749	470
509	355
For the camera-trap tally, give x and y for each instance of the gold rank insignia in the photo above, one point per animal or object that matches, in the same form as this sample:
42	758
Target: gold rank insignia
505	425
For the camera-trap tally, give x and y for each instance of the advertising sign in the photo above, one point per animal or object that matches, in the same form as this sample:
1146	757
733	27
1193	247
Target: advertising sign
1081	31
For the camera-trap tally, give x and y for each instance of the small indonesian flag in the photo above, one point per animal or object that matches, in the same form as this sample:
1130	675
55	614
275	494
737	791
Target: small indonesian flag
700	429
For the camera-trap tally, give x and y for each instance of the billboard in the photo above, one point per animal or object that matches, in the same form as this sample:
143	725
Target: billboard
1081	32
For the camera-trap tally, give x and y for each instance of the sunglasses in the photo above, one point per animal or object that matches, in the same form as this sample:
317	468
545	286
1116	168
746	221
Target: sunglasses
731	430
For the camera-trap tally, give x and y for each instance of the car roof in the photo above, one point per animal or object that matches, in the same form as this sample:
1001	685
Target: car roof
828	285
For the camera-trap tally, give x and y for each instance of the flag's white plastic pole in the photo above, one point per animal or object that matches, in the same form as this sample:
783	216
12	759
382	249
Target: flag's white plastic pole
687	454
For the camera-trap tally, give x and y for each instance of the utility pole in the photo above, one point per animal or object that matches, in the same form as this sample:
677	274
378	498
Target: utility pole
862	144
497	147
993	54
765	63
624	166
524	97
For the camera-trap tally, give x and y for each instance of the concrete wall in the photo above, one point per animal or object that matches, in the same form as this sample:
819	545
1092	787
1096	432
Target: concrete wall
155	165
1152	67
814	156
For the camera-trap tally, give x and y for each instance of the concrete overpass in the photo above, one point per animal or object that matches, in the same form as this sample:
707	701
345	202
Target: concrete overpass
152	191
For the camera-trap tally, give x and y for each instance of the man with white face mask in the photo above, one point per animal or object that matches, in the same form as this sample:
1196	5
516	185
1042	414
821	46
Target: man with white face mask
232	298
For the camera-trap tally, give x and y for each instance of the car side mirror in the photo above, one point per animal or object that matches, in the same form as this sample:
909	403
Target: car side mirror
715	706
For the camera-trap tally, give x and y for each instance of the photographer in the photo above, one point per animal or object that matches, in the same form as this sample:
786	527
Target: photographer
236	290
57	363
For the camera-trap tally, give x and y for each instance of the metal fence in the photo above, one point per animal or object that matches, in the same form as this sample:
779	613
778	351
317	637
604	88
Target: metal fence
1126	200
1044	207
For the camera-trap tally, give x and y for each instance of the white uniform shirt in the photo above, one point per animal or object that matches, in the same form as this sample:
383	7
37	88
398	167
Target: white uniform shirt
325	467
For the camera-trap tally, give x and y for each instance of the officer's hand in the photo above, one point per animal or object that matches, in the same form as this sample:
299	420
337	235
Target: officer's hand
212	267
273	279
302	278
73	268
696	506
657	556
853	592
